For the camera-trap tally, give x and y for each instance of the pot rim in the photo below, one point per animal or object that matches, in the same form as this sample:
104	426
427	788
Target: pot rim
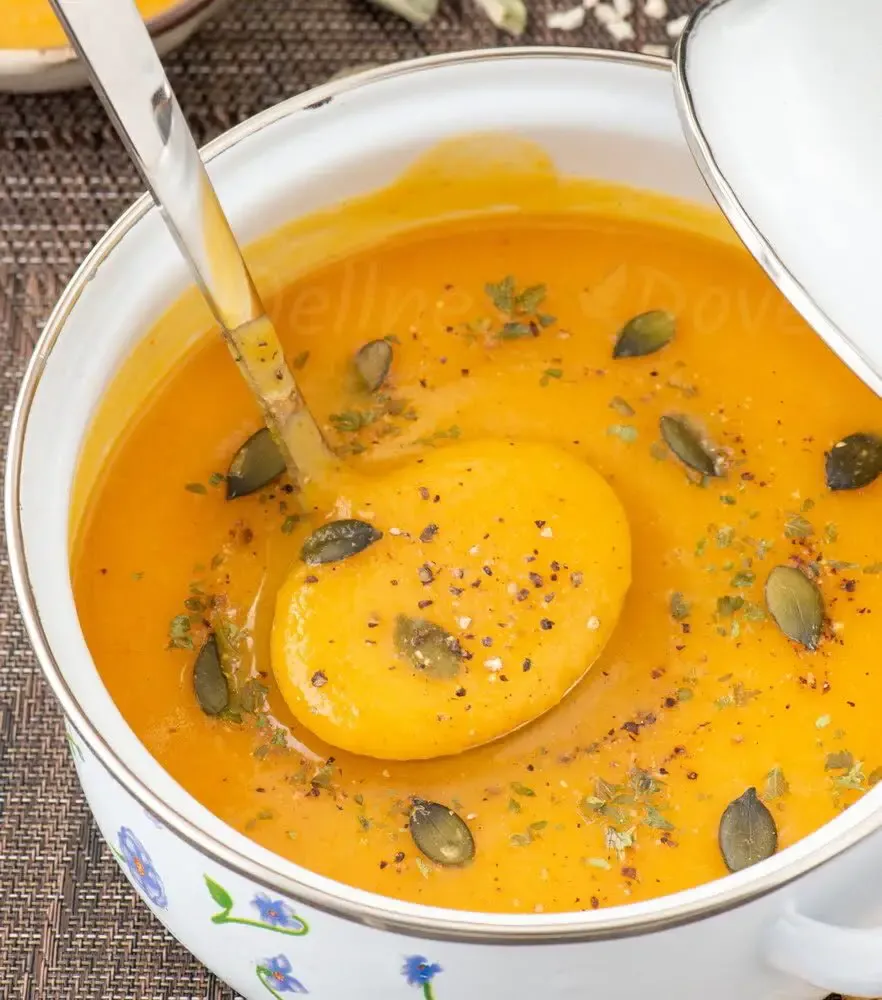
370	908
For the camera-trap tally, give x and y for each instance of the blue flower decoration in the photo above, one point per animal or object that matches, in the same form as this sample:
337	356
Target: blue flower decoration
276	912
418	970
141	869
278	974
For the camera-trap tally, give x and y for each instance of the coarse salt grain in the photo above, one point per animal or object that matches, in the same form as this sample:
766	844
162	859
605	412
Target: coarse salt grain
474	550
512	588
546	532
656	9
494	663
395	531
464	621
675	27
566	20
621	30
593	623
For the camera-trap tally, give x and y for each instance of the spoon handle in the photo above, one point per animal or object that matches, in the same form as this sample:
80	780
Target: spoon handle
128	76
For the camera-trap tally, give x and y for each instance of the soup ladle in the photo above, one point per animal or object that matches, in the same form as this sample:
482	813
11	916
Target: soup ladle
411	687
125	69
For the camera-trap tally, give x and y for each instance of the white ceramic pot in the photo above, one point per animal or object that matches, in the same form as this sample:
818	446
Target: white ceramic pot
785	928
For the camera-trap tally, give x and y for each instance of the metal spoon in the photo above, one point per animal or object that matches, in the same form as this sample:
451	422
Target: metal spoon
125	70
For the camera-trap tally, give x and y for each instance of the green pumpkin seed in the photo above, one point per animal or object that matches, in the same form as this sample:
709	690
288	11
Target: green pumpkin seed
338	540
747	832
440	834
795	603
688	445
372	363
645	334
853	462
429	647
209	679
256	464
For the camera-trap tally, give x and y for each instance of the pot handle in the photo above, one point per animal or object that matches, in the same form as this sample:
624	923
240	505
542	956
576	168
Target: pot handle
846	960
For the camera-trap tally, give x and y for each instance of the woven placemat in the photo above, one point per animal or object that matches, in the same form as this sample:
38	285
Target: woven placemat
71	928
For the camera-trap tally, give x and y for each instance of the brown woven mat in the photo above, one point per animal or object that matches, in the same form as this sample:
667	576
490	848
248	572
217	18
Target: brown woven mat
71	928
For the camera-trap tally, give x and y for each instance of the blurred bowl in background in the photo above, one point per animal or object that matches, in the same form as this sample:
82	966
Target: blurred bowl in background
56	66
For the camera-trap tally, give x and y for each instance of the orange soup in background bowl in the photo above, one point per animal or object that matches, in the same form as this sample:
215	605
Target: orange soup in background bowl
35	54
536	261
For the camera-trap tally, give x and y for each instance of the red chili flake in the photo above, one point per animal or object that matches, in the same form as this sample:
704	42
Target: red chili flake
523	594
487	570
595	902
670	702
399	857
424	493
425	574
577	578
527	664
460	692
456	591
384	864
428	533
630	873
546	624
312	579
319	679
424	604
536	579
548	598
849	585
539	524
692	775
555	566
486	641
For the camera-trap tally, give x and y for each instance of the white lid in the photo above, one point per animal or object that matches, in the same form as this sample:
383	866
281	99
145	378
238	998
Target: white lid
781	102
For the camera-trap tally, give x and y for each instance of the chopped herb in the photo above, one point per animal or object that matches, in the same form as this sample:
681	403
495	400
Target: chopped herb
195	488
423	868
658	451
798	527
839	760
520	789
194	604
626	432
776	784
700	546
754	612
728	605
502	294
552	373
873	568
515	331
621	406
807	505
216	478
679	607
727	499
684	694
854	778
514	806
831	533
655	820
529	300
619	840
743	579
138	576
600	863
179	629
874	777
288	524
822	721
725	536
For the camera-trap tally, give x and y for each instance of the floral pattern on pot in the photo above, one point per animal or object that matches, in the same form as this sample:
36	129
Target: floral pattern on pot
141	871
419	971
275	974
274	914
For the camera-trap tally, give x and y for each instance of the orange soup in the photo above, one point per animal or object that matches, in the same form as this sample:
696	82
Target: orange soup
31	24
732	710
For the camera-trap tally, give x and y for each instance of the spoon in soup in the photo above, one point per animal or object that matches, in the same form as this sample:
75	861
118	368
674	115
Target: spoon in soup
439	605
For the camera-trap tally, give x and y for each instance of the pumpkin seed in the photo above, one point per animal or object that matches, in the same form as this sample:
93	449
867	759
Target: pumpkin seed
795	603
428	646
372	363
440	834
338	540
747	832
687	444
209	679
853	462
256	464
645	334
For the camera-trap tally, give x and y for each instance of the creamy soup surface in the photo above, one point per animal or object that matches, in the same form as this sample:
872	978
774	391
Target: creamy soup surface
502	325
